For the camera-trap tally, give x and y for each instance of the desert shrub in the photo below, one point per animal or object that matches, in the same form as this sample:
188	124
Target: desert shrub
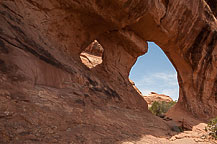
211	128
160	108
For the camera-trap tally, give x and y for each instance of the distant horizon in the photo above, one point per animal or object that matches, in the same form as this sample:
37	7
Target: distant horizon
154	93
153	72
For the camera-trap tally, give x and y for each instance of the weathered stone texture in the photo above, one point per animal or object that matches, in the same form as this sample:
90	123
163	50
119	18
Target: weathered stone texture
47	95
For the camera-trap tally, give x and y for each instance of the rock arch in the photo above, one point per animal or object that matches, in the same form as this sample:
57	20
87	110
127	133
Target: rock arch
186	31
41	42
188	37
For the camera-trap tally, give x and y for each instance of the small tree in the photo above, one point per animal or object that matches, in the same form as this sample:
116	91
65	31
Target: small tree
160	108
211	128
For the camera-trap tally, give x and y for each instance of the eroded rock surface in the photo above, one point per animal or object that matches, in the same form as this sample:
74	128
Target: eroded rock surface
152	97
47	95
92	55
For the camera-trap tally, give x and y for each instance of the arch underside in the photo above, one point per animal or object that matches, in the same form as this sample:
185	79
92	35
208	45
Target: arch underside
40	66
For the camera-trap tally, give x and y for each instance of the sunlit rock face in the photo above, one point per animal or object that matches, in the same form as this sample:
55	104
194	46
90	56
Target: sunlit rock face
92	55
155	97
46	90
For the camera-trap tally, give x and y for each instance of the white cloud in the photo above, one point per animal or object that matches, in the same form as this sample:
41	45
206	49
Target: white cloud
153	78
145	80
164	83
146	91
173	93
165	76
168	78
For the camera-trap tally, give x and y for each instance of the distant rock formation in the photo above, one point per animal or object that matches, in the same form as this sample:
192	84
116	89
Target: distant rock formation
152	97
92	55
94	49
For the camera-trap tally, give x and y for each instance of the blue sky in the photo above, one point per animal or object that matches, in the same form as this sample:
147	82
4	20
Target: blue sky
153	72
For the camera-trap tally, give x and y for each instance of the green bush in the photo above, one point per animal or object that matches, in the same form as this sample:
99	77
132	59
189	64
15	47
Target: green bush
211	128
160	108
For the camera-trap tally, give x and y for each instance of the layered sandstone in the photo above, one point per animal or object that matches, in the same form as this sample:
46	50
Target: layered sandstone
92	55
152	97
48	95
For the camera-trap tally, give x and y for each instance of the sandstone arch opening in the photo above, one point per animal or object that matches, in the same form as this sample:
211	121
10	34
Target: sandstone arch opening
92	55
154	76
48	96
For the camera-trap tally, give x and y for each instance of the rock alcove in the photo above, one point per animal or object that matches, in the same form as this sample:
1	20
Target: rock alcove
47	95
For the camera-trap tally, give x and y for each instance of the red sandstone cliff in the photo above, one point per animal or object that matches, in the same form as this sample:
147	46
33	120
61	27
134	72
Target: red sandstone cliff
47	95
